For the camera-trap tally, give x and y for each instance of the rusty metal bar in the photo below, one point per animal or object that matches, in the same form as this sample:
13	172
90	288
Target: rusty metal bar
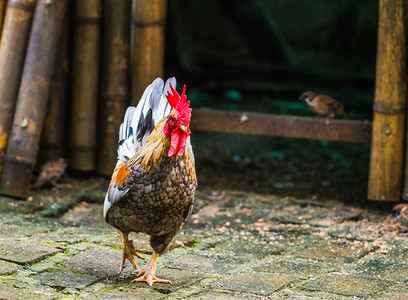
282	126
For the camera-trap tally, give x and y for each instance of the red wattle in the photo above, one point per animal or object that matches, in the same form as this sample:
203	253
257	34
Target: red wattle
182	143
178	141
167	130
174	140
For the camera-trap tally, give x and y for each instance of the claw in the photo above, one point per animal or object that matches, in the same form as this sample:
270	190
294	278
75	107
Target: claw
133	250
149	278
128	250
148	274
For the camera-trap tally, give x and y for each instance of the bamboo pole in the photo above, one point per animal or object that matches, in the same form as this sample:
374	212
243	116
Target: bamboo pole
54	134
13	46
405	190
3	4
85	63
115	80
148	44
32	98
387	147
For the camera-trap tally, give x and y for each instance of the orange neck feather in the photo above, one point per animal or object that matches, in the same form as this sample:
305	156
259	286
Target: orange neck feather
157	148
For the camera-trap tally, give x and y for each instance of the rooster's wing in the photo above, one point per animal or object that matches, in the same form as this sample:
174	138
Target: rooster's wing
137	125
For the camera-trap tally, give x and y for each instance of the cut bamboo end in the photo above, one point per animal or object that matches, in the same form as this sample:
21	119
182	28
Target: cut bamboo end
387	147
83	158
16	176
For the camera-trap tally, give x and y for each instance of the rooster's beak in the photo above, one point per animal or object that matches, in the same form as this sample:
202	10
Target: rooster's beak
184	128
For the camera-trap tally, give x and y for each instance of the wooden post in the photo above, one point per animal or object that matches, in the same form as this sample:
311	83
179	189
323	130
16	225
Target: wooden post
54	134
32	98
148	44
405	16
13	46
115	80
387	147
85	66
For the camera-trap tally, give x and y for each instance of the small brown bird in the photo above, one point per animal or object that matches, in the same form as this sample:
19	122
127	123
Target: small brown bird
50	173
400	211
324	106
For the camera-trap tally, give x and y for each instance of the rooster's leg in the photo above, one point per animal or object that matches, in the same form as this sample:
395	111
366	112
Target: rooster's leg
128	250
148	274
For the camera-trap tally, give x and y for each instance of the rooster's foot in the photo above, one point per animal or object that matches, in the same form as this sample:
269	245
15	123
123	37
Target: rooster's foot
128	250
148	274
149	278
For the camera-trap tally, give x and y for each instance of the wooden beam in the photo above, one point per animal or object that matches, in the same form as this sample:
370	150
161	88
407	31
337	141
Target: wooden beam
282	126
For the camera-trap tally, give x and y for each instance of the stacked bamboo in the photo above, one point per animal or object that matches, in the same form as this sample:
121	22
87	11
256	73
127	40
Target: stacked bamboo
20	157
43	65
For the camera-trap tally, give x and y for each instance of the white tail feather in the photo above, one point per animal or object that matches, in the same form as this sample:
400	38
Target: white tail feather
164	107
138	123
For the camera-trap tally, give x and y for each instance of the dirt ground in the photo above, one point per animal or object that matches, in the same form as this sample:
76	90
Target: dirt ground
236	245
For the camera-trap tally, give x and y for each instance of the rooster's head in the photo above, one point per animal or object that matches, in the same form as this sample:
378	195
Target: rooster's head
178	121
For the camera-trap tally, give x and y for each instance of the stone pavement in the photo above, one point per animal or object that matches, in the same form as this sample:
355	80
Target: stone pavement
236	245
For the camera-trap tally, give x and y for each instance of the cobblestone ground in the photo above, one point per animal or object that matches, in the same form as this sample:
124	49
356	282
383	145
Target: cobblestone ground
236	245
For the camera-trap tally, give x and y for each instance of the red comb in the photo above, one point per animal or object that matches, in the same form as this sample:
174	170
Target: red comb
180	104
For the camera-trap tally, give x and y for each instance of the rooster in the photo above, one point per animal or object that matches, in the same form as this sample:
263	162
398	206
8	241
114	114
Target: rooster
153	184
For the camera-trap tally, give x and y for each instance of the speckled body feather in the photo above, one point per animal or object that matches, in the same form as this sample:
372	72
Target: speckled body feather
158	201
